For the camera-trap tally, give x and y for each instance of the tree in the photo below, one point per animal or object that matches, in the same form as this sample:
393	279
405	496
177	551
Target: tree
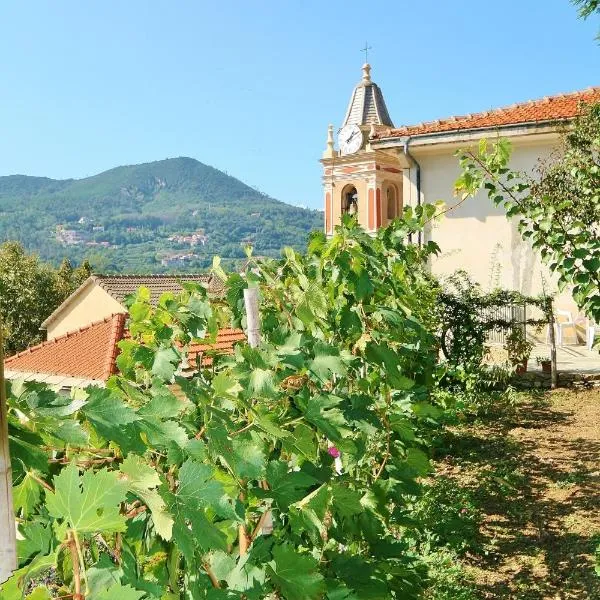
559	210
29	291
587	8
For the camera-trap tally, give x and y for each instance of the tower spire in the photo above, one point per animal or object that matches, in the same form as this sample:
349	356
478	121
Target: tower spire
367	105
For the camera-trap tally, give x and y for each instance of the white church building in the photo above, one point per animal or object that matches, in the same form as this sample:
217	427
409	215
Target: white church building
378	168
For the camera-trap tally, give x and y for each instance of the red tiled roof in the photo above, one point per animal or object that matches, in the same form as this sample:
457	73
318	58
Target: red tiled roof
226	339
551	108
88	352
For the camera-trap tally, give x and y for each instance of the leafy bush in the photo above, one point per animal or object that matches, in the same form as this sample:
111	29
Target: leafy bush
447	516
447	578
278	472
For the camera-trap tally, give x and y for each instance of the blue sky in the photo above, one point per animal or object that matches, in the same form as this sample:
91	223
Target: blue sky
249	87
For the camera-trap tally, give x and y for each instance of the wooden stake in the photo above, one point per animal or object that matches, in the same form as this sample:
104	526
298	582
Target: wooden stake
253	326
554	371
252	316
8	540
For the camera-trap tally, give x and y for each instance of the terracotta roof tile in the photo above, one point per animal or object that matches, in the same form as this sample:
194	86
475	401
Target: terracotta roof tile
88	352
551	108
226	340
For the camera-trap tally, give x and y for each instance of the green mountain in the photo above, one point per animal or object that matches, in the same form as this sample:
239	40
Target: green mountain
168	215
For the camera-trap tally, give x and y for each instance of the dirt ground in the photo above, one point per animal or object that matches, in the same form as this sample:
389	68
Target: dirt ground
536	476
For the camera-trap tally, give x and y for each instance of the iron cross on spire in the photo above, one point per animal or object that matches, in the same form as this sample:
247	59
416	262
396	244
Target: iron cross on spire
366	51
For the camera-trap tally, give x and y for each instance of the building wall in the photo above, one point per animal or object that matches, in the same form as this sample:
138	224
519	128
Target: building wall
476	236
92	304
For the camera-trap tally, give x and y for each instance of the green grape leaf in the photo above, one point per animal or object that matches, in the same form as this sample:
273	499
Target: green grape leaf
383	355
142	480
296	575
287	487
26	495
261	383
320	412
118	591
199	488
327	362
88	503
163	434
164	405
244	456
303	441
312	303
23	452
346	501
71	432
40	593
225	386
36	539
107	413
248	459
165	363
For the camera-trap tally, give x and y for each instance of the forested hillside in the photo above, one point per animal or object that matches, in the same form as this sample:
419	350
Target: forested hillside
167	215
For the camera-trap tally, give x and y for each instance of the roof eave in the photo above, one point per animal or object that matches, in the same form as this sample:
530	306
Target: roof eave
53	379
513	129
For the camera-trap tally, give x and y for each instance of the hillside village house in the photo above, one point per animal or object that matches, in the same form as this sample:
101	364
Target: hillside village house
83	333
101	296
379	168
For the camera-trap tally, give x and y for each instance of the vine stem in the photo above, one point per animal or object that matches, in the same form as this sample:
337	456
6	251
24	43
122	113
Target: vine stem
80	557
43	483
76	569
211	575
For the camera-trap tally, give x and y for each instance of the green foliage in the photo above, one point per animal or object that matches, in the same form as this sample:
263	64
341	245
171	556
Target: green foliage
517	346
586	8
224	483
467	314
135	209
560	212
448	579
448	517
29	291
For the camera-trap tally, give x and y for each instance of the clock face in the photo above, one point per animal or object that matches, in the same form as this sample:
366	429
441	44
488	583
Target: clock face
350	139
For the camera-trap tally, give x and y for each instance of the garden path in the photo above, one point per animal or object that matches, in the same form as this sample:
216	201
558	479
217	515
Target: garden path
535	473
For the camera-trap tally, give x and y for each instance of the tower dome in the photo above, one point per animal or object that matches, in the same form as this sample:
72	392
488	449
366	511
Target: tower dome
367	106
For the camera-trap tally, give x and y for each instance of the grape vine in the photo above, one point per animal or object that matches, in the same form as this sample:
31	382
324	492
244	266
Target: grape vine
277	472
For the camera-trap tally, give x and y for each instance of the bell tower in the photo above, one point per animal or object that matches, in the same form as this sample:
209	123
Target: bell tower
357	179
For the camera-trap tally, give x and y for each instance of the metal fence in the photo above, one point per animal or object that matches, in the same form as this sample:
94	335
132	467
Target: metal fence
511	313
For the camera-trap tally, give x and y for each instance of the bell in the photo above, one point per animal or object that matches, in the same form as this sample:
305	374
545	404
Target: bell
352	208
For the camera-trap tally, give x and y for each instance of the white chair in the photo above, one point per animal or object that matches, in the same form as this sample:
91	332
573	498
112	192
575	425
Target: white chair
590	334
590	329
563	319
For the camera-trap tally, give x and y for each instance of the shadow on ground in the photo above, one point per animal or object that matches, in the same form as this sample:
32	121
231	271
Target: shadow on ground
535	475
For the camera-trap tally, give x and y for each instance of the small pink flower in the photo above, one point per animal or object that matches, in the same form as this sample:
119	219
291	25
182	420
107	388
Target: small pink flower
333	451
463	511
